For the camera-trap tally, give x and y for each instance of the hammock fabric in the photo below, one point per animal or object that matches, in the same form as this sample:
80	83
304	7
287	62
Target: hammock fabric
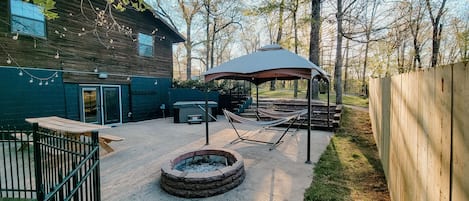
238	119
278	115
231	117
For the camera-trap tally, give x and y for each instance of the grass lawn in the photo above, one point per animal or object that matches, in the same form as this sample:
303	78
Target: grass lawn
350	168
288	93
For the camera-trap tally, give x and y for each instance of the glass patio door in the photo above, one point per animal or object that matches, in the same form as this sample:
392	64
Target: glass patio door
91	105
111	105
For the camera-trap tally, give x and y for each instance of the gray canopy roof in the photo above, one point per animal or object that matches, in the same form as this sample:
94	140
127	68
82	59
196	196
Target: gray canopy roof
271	62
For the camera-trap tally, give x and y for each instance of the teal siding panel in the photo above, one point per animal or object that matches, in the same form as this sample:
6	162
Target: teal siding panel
125	102
146	97
21	99
72	101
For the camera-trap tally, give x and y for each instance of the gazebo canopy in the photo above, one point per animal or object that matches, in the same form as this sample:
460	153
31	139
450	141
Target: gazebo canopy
271	62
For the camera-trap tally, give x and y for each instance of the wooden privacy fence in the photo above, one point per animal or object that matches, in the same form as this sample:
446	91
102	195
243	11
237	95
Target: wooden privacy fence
420	123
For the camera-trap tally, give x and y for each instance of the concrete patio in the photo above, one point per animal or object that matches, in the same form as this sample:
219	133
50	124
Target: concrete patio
132	171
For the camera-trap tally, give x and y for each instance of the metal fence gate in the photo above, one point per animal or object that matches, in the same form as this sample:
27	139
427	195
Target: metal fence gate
41	164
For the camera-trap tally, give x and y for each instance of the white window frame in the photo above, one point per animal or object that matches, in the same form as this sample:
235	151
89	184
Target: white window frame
140	45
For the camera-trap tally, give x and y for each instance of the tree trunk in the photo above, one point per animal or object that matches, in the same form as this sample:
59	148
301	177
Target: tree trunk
314	42
338	58
436	43
437	28
207	45
365	63
212	42
279	34
295	82
189	52
347	46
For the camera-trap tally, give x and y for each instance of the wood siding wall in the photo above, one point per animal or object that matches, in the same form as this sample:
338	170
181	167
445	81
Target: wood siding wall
85	53
420	124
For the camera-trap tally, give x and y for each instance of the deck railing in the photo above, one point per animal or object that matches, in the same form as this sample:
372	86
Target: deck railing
45	165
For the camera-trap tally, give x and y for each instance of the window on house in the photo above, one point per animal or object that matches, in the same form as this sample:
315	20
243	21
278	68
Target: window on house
27	18
145	45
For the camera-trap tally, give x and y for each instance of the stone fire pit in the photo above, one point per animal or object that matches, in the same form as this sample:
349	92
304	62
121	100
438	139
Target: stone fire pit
203	173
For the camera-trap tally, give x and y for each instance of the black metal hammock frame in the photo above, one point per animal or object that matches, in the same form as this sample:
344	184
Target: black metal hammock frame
231	117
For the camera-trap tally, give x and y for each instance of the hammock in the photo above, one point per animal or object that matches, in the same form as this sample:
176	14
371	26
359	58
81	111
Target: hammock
277	115
233	118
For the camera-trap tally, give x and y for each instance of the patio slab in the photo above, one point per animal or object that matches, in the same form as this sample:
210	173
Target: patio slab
132	171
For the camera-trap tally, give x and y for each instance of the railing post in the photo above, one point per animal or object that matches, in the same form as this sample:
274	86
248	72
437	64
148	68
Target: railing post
75	181
97	186
37	163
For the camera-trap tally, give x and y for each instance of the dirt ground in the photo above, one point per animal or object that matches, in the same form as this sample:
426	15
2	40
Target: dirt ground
132	171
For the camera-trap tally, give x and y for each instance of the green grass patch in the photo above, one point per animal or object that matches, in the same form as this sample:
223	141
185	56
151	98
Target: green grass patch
350	168
288	93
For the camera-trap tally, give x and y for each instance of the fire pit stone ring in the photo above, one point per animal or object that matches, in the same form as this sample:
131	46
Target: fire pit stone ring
203	173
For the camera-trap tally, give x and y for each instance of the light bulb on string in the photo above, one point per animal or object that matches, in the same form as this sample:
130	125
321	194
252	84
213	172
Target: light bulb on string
8	60
47	83
20	73
57	56
40	83
52	80
56	74
15	37
31	80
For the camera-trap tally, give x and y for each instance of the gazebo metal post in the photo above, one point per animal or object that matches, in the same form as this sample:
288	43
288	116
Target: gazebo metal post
206	114
308	144
257	100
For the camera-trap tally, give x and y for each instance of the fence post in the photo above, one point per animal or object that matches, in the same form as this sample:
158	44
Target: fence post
97	186
37	163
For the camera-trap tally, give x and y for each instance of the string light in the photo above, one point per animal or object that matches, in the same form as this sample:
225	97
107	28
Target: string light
57	56
156	82
42	81
15	37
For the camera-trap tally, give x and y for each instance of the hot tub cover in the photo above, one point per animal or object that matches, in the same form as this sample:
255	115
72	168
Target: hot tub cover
189	104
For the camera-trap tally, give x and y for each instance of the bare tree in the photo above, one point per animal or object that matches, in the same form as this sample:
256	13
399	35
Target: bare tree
189	10
280	22
437	28
415	23
221	15
338	55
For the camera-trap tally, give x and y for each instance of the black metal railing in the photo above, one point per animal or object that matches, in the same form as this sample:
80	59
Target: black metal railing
17	163
55	166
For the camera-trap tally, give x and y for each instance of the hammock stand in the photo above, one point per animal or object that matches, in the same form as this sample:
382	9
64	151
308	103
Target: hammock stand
231	117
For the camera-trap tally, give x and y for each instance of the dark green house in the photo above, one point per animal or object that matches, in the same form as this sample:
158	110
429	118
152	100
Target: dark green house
92	63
